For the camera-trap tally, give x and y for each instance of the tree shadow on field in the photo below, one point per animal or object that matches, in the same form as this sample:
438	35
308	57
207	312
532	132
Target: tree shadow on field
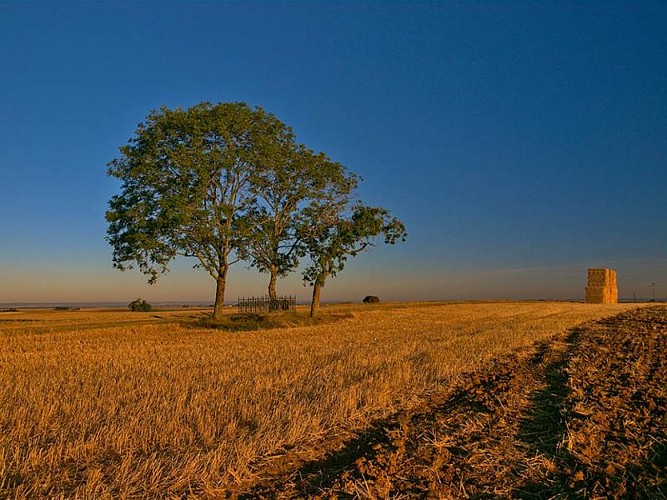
544	427
313	475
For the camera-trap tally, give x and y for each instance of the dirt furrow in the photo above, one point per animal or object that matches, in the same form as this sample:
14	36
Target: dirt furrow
580	415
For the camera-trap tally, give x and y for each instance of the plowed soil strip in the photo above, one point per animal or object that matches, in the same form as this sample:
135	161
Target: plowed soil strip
582	415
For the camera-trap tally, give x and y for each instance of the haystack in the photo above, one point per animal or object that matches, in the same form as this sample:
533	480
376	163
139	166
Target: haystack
602	287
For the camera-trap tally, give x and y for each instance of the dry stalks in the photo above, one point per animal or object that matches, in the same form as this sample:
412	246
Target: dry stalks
161	409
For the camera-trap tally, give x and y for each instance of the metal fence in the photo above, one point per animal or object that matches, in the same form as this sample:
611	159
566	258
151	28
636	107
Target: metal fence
266	304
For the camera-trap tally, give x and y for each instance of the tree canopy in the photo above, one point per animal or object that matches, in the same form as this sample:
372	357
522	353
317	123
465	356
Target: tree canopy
228	182
185	186
301	180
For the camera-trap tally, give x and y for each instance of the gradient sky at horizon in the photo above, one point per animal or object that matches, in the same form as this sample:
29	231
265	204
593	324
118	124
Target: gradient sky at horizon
520	142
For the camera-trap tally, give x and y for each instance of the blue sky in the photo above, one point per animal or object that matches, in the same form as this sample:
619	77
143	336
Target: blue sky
520	142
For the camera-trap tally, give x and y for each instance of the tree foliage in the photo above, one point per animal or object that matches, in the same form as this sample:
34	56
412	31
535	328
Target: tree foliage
298	182
228	182
185	186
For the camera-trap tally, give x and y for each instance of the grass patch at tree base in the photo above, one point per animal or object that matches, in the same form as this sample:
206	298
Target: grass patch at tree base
267	321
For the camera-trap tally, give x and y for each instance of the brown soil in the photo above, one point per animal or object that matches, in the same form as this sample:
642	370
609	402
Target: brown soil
581	416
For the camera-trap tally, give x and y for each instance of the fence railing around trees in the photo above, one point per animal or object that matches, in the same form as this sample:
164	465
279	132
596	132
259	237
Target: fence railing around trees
266	304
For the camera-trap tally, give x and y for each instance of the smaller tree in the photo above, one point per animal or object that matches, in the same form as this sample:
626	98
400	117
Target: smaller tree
139	305
331	238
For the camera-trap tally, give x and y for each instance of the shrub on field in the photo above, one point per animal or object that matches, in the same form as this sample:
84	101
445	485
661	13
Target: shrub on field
371	299
139	305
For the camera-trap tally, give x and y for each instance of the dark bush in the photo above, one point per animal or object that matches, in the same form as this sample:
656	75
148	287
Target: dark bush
139	305
371	299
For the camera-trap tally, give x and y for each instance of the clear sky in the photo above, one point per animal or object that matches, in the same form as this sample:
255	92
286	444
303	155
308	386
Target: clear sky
520	142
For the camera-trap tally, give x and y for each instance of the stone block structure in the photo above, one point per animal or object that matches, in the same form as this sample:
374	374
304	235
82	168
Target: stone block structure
602	287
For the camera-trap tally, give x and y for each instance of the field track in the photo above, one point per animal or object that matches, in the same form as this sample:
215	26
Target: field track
583	415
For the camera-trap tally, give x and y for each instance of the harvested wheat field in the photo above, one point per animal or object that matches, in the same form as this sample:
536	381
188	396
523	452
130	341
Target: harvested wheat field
581	415
506	399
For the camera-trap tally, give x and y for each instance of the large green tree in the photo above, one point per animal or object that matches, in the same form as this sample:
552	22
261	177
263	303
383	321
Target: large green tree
186	178
298	180
333	233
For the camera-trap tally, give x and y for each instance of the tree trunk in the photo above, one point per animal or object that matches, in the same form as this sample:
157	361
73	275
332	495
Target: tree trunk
315	304
317	289
220	295
273	270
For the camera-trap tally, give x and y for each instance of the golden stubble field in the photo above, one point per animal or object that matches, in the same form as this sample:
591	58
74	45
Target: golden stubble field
146	409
